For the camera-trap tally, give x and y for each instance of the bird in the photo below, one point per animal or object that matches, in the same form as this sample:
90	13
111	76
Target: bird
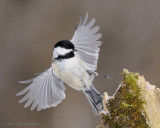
74	63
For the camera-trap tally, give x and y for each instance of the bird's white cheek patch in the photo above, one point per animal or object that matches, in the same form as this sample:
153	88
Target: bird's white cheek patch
60	51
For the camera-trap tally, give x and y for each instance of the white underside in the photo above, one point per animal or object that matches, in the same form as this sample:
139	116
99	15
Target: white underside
73	72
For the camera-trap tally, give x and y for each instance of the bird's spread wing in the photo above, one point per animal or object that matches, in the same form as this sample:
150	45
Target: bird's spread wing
86	42
45	91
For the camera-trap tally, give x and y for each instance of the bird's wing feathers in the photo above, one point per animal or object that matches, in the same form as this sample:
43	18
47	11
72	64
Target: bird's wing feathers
86	42
45	91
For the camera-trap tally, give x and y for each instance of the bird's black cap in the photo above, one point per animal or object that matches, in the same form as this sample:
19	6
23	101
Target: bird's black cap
65	44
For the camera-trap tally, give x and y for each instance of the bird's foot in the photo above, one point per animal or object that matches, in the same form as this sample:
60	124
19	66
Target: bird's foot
104	75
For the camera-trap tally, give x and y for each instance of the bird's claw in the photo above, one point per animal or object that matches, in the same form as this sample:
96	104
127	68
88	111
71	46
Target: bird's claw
106	76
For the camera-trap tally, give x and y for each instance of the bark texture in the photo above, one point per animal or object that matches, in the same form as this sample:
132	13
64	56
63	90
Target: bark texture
135	104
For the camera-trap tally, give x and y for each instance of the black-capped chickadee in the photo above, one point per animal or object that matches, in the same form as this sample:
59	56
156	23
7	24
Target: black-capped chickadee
74	62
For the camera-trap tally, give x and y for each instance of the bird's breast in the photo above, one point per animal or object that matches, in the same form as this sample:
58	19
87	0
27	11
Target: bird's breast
72	71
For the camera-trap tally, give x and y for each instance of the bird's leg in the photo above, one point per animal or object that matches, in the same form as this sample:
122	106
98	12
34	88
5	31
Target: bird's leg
92	73
98	74
83	83
104	75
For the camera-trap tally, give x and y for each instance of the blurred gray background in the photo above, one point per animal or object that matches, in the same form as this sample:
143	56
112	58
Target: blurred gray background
30	28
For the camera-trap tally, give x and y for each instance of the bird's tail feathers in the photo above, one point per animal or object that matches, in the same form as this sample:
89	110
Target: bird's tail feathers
95	99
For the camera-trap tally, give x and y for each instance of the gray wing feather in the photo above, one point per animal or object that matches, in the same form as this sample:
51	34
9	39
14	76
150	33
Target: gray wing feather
26	81
86	42
45	91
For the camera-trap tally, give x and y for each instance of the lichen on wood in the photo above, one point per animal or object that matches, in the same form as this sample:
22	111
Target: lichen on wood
135	104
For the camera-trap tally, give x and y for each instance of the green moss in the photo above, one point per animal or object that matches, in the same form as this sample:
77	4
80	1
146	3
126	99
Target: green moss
126	108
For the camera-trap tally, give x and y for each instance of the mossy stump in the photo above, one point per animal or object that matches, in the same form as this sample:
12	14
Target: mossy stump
135	104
